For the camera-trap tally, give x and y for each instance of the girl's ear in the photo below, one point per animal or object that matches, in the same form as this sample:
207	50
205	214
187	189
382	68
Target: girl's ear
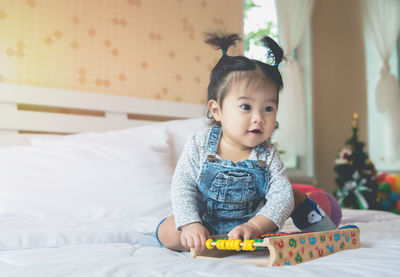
214	109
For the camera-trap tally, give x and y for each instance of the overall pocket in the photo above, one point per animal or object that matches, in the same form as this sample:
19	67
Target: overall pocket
233	187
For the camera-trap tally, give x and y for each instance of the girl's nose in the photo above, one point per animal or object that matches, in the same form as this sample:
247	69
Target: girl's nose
257	118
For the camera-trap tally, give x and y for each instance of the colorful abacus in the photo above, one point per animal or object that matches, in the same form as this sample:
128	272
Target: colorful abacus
284	248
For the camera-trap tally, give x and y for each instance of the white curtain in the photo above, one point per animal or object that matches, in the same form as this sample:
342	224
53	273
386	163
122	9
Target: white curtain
382	19
293	18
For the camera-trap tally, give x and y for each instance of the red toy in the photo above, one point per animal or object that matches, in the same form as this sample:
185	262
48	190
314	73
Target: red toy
325	200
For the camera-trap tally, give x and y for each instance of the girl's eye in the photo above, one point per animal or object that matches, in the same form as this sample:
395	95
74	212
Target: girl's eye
269	109
245	107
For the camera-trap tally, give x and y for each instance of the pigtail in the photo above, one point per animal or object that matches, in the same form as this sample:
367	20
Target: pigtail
275	52
222	40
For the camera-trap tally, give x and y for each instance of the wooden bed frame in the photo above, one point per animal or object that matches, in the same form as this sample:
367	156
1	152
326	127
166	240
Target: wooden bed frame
37	110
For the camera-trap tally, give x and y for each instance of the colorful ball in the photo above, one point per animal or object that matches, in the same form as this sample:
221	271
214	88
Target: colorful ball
395	211
385	187
394	197
381	177
381	196
396	186
328	204
390	180
397	178
385	204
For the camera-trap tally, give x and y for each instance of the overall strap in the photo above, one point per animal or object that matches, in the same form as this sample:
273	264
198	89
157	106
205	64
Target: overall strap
261	154
212	142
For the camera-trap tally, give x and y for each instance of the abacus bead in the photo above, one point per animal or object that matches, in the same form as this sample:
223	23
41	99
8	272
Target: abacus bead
236	245
249	245
227	244
230	245
221	244
208	244
244	246
224	244
218	244
252	247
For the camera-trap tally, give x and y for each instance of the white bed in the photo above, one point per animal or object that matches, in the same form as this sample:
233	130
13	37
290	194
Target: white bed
82	205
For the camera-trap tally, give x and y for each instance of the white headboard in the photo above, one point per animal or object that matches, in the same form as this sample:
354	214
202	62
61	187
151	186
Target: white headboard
30	109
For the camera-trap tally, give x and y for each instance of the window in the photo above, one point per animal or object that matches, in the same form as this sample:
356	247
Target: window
377	121
260	19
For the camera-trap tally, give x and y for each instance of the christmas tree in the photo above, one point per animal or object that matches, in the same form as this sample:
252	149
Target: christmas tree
356	174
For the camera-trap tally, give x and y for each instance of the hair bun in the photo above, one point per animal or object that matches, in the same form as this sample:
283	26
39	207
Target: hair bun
275	52
222	40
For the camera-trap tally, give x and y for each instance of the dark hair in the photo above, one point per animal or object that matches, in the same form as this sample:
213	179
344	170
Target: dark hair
231	68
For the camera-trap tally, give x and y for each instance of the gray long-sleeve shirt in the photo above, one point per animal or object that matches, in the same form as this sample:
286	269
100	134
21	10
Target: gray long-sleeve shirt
279	198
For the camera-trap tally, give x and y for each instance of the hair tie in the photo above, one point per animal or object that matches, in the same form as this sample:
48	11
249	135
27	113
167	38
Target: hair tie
223	52
276	64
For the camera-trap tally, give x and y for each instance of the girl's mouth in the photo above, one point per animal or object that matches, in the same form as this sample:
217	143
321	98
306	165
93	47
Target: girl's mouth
256	131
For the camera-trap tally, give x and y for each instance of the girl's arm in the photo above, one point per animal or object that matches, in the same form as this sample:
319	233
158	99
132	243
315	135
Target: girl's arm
184	188
280	200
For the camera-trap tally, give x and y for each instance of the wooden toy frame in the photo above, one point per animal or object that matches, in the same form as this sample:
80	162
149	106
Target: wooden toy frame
292	249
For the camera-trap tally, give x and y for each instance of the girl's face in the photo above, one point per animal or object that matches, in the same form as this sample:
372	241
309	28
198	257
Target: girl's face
248	113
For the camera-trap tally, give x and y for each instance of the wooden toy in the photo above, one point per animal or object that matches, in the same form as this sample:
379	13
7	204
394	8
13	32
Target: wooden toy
282	248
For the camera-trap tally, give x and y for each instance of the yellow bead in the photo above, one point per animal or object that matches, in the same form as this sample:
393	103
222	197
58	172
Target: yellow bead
249	245
218	244
252	247
221	244
209	244
236	244
229	245
244	245
224	244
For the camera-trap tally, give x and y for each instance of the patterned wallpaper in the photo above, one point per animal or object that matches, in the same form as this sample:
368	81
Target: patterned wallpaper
142	48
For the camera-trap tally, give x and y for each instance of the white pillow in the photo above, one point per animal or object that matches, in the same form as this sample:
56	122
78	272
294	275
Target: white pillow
179	131
7	140
88	177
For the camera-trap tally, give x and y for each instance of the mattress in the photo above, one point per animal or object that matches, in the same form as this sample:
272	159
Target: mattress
128	248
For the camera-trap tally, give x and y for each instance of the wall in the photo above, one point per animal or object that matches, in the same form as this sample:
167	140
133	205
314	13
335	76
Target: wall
154	49
143	48
339	81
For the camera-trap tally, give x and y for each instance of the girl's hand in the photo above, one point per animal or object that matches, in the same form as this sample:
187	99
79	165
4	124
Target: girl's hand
194	235
245	231
255	227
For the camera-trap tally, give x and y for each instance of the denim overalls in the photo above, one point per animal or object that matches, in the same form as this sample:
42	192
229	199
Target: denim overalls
231	193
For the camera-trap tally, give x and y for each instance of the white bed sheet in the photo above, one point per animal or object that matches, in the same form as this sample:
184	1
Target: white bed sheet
119	248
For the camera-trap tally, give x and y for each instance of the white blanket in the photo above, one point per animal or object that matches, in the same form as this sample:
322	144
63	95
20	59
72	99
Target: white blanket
120	248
